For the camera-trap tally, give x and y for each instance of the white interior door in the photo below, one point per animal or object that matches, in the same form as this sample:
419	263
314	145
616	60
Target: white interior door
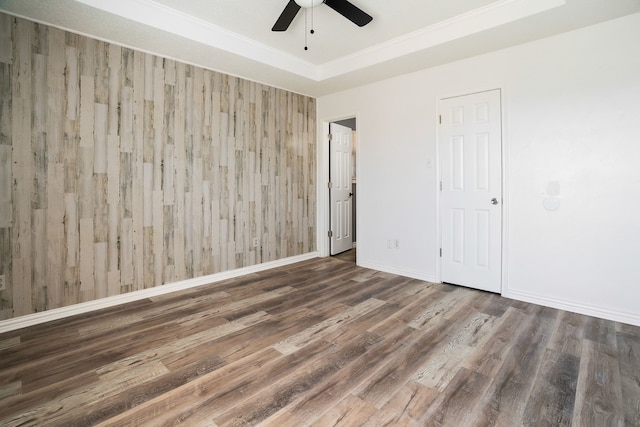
471	190
340	188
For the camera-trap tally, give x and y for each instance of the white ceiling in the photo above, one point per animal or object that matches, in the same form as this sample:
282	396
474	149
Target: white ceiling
235	37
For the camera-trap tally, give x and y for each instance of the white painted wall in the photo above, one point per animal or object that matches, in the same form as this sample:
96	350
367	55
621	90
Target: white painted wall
571	126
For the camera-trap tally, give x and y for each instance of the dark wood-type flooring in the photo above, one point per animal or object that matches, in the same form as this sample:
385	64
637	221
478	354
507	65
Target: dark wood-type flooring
323	343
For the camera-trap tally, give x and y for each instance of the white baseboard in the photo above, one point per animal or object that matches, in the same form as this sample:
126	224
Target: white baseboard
400	272
85	307
616	316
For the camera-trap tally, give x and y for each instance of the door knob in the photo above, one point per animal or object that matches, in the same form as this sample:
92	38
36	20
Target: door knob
494	201
350	194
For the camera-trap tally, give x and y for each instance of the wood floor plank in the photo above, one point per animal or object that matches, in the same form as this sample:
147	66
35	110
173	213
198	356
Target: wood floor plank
502	404
361	348
553	395
454	406
218	311
629	361
115	404
444	365
440	308
183	344
38	371
350	411
598	393
26	400
488	359
569	333
62	408
410	358
601	331
319	330
308	406
9	342
10	389
406	407
236	385
262	405
178	404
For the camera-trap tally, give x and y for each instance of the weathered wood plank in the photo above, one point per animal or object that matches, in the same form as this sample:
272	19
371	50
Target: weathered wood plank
55	235
87	259
350	411
598	392
454	406
101	138
112	384
22	264
443	366
512	383
10	389
6	168
101	270
553	395
629	362
319	330
180	165
310	405
417	353
278	395
6	51
406	407
488	358
569	333
183	344
136	162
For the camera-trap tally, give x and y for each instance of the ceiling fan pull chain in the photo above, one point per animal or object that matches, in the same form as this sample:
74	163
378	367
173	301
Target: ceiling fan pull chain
305	30
312	25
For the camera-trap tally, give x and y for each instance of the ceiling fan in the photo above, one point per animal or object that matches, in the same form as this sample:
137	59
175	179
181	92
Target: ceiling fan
343	7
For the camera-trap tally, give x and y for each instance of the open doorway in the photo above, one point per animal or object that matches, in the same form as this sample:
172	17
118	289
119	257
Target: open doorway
343	189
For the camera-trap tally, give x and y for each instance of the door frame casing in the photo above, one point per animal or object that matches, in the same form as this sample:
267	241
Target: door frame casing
322	174
341	191
503	176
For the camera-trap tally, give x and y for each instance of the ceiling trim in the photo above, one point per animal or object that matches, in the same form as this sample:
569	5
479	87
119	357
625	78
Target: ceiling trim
481	19
173	21
158	16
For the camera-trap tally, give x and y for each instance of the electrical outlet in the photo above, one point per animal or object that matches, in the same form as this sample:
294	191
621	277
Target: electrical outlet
3	282
255	242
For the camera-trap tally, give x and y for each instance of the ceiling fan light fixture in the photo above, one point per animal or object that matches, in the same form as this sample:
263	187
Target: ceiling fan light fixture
309	3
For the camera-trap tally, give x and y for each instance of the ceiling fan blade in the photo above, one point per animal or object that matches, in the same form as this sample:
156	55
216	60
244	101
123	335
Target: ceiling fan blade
286	17
349	11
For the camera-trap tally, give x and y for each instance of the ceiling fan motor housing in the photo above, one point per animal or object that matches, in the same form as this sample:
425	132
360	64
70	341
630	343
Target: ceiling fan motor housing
309	3
343	7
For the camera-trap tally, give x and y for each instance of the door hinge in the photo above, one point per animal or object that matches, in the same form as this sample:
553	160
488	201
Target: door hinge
440	252
330	137
440	185
440	119
329	185
330	233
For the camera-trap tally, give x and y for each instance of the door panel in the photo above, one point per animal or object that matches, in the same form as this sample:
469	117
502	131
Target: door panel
340	192
471	172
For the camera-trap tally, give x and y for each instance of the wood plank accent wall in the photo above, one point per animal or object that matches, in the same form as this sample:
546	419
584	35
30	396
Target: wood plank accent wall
122	170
